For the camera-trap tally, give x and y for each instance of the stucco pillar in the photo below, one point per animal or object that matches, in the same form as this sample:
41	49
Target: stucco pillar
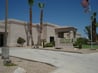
56	36
57	41
72	35
8	35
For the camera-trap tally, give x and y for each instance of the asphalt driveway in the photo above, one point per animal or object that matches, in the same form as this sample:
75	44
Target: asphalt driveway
64	61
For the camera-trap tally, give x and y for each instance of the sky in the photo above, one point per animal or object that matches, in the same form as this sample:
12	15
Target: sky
60	12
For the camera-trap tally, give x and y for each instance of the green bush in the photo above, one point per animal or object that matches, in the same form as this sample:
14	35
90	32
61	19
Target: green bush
53	42
10	64
77	45
20	41
48	45
80	46
82	40
79	42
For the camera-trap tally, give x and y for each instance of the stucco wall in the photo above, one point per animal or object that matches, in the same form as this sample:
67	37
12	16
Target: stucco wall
35	34
15	32
50	33
2	26
16	29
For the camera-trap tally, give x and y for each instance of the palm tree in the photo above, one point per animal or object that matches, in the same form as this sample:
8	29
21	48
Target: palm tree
93	18
88	31
5	50
97	24
31	2
41	6
26	26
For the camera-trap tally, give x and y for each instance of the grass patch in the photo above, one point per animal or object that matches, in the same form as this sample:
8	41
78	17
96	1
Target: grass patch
10	64
89	46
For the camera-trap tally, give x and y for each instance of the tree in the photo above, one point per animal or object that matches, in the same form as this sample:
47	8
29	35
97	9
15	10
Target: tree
97	24
31	2
41	6
88	31
20	41
5	50
93	19
97	37
26	26
97	33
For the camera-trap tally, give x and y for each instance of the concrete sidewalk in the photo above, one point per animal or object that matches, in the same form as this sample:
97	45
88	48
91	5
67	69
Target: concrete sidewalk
65	62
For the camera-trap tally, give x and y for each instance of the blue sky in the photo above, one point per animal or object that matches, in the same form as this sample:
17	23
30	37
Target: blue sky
60	12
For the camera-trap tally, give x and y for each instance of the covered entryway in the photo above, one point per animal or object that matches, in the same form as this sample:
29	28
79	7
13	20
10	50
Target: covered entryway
1	39
65	36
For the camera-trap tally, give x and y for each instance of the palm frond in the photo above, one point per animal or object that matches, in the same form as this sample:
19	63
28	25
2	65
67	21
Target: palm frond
41	5
92	18
31	2
97	24
94	14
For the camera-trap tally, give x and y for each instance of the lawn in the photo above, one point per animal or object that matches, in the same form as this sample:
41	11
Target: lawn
89	46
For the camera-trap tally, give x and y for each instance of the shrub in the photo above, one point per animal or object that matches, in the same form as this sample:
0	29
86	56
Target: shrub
20	41
80	46
79	42
10	64
53	43
75	44
82	40
48	45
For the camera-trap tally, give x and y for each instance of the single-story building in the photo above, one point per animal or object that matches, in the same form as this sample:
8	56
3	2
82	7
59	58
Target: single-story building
51	32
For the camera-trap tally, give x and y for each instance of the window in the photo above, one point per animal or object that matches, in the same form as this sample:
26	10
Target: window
61	35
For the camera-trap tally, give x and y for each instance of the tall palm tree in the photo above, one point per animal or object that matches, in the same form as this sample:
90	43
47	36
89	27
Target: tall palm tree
26	26
93	18
88	31
5	50
31	2
6	22
41	6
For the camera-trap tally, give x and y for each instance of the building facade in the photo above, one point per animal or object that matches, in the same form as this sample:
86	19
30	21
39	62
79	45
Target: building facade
51	32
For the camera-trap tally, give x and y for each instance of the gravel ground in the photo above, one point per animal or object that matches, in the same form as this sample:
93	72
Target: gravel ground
29	66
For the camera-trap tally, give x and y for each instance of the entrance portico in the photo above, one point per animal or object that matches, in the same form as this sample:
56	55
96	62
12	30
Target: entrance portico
65	36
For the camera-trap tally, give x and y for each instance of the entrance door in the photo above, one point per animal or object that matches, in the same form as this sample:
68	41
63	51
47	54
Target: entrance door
1	39
52	39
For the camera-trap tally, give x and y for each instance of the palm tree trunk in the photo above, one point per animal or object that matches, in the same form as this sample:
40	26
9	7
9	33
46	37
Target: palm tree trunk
94	30
6	16
32	43
41	20
39	39
41	28
27	34
5	50
4	54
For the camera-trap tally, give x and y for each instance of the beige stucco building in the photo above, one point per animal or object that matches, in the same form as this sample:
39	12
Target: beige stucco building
51	32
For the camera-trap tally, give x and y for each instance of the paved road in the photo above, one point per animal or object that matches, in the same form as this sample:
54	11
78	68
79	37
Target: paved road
65	62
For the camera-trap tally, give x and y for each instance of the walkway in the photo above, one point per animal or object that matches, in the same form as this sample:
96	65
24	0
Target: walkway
65	62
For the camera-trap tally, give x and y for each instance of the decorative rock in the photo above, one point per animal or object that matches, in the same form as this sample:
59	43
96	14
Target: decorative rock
20	70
